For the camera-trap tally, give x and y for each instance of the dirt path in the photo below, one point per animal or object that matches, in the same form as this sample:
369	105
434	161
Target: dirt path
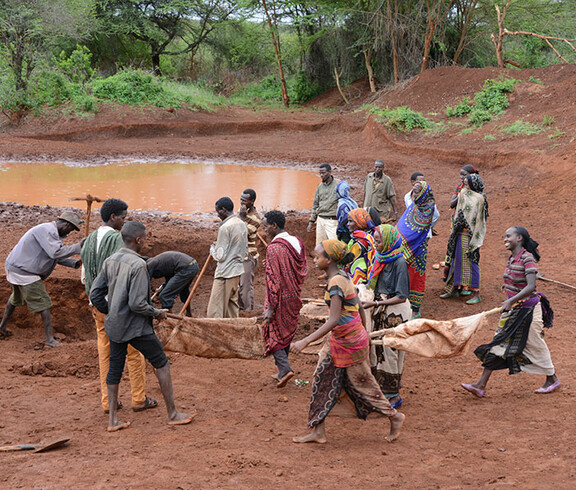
242	435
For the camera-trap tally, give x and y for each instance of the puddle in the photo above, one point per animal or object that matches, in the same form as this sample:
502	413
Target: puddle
177	187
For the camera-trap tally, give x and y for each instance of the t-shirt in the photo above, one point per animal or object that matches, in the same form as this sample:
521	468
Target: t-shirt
393	280
167	264
516	270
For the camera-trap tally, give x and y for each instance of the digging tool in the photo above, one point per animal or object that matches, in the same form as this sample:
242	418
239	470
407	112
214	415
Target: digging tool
542	278
264	242
196	283
89	200
158	291
37	448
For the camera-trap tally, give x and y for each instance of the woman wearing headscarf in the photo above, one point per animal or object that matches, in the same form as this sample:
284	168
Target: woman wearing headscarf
462	269
345	205
391	307
519	344
413	227
464	172
343	368
361	245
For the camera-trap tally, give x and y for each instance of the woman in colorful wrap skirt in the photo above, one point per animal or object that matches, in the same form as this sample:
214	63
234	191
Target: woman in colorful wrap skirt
519	344
343	368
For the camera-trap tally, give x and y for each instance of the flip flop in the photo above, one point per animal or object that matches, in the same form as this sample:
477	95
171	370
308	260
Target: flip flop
146	404
473	301
448	295
549	389
472	389
397	403
116	428
185	421
284	380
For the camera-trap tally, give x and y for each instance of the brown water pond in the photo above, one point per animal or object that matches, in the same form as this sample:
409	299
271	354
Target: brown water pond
176	187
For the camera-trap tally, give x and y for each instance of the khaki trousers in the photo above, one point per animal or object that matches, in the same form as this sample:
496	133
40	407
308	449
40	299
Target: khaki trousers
246	288
325	229
135	360
224	298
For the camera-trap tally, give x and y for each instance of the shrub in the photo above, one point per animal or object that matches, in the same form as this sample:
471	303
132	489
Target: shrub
401	118
77	67
521	128
463	107
548	121
128	87
493	96
535	80
478	117
86	103
304	88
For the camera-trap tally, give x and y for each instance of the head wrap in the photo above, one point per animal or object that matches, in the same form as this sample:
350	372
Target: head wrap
362	218
476	184
391	250
470	169
335	249
527	242
345	204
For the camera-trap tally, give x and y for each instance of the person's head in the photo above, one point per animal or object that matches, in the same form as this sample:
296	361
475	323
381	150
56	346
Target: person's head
467	170
325	172
343	190
374	215
274	222
67	222
415	177
247	198
113	212
474	182
331	253
517	237
134	235
359	219
379	168
386	238
224	207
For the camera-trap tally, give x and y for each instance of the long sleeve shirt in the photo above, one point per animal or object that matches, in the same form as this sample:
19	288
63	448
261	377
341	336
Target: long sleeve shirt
38	252
325	201
122	292
231	248
167	264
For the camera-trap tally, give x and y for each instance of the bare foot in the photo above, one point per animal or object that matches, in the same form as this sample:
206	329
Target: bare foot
396	423
312	437
182	418
4	334
52	343
118	426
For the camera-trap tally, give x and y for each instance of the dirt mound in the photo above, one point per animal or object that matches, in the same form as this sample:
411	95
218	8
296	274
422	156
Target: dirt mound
356	92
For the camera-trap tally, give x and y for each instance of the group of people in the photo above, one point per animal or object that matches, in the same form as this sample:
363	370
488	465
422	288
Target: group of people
375	271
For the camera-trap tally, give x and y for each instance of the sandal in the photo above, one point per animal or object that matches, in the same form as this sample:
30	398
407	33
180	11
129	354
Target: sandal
473	301
146	404
449	295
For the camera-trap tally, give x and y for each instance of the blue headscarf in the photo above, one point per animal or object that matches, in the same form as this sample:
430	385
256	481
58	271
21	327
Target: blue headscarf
345	204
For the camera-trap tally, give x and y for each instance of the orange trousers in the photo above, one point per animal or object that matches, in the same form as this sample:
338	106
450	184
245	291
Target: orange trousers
134	359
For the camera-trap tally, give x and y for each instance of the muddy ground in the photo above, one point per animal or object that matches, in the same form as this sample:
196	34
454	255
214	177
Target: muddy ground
242	435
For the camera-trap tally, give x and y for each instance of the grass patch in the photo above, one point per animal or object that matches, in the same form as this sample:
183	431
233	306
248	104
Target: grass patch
535	80
463	107
547	121
469	130
489	137
556	134
479	116
521	128
401	118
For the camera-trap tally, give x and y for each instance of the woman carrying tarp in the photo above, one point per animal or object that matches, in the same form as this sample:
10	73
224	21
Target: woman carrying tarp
389	280
462	269
413	227
345	205
519	344
343	368
361	245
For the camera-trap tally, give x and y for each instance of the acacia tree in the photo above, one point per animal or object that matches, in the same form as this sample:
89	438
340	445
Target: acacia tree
158	23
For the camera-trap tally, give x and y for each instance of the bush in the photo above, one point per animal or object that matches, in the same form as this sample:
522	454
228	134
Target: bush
463	107
53	88
478	117
304	88
129	87
77	67
86	103
401	118
493	96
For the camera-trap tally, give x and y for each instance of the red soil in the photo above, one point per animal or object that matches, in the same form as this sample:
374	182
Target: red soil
242	435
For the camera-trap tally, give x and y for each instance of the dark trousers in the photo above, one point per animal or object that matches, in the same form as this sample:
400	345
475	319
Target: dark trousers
149	345
281	360
179	283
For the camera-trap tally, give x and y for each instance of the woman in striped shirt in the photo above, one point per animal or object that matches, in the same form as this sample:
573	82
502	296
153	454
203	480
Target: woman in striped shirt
519	343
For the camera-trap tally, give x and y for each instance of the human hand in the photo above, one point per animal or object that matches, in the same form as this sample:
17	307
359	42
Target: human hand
268	315
162	315
309	228
298	347
369	304
507	305
82	242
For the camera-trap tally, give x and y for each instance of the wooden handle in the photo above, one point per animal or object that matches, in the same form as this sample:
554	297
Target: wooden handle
88	211
196	284
542	278
173	315
264	242
19	447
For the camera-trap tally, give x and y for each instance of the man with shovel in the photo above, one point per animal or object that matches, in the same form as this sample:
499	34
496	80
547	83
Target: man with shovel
31	261
100	245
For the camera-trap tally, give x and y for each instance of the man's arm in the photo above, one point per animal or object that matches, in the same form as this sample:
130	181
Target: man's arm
139	293
394	210
365	203
99	291
54	247
219	251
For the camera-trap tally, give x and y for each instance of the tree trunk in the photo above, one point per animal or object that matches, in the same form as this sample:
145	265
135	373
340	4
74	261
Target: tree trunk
499	40
433	20
155	56
367	51
276	42
393	39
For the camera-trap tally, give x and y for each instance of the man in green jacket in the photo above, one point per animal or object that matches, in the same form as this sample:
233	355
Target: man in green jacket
100	245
